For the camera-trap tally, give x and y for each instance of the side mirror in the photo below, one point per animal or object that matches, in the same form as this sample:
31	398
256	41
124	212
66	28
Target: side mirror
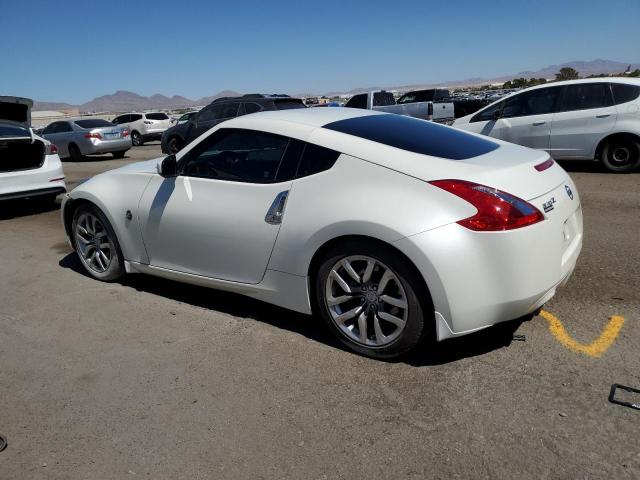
168	167
496	115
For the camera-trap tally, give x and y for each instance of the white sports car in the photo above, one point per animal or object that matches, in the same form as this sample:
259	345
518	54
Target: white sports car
390	228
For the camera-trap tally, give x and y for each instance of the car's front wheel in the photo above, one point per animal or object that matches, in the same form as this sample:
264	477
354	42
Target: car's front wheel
96	244
370	298
621	155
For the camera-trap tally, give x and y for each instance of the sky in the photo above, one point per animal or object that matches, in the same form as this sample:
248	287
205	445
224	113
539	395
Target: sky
72	51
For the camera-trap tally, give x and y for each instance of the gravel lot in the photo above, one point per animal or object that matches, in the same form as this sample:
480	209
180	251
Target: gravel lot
150	378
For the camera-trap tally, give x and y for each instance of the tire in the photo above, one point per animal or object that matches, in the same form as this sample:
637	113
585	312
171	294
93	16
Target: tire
388	339
174	145
119	154
136	139
621	155
75	153
89	229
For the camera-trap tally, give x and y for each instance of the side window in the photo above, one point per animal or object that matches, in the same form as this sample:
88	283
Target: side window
251	108
487	114
382	99
207	114
540	101
586	95
316	159
50	128
64	127
116	120
237	155
513	107
357	101
134	118
623	92
229	110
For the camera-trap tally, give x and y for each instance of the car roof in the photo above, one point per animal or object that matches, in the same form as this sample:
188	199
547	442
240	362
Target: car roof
632	81
311	117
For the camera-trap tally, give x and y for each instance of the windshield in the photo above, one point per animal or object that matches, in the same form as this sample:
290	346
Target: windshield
93	123
9	130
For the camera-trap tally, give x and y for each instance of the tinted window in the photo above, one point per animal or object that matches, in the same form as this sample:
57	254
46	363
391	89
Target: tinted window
513	107
157	116
290	161
587	95
316	159
415	135
382	99
93	123
134	117
51	128
357	101
413	97
251	108
14	131
206	115
539	101
117	120
487	114
237	155
228	110
63	127
623	93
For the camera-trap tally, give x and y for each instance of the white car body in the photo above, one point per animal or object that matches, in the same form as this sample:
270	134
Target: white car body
144	126
574	126
29	164
214	232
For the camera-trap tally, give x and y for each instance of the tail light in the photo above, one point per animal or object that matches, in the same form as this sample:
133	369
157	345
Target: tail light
125	133
541	167
93	135
147	122
50	149
497	210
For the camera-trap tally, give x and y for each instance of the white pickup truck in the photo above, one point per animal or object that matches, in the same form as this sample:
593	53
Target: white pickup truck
383	101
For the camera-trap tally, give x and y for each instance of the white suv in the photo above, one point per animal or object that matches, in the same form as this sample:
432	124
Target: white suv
144	126
590	119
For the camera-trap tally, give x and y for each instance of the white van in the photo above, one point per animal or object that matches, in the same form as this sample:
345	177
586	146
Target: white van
590	119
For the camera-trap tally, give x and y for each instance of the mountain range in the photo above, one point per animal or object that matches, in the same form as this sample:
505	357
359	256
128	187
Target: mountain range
122	101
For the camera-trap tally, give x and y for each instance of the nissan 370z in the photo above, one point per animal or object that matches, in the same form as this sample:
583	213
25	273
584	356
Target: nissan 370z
392	229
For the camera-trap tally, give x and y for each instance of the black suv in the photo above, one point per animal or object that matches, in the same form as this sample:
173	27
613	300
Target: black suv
221	109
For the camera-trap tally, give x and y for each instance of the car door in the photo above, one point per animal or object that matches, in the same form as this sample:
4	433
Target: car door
55	133
526	118
213	218
585	113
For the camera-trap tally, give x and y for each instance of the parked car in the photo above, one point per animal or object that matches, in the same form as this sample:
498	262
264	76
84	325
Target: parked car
221	109
383	101
144	126
87	136
461	106
388	227
590	119
29	164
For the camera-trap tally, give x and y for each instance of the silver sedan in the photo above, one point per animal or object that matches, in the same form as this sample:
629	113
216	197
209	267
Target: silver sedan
77	138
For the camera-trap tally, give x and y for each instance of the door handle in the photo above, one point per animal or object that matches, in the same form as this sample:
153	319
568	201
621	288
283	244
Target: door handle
541	122
603	115
276	210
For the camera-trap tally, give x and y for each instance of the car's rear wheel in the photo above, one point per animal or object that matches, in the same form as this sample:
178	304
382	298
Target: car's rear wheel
136	139
174	145
621	155
96	244
119	154
75	153
369	297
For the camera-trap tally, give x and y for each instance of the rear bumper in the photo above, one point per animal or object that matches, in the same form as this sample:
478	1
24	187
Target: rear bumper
478	279
106	146
46	180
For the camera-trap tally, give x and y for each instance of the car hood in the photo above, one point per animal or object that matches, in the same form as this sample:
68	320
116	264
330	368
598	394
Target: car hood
148	166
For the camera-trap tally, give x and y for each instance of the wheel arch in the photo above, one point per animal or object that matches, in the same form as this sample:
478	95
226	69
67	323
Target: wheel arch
611	136
316	260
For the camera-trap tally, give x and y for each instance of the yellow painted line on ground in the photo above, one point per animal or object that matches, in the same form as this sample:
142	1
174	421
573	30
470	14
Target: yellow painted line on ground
594	349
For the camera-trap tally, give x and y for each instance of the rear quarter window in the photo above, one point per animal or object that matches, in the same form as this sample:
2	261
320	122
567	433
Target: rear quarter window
623	92
413	135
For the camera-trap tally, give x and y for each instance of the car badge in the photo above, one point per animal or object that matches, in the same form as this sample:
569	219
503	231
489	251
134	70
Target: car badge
548	206
569	192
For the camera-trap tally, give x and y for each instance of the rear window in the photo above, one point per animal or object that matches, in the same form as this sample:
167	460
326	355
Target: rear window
623	93
13	131
418	136
157	116
289	104
93	123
